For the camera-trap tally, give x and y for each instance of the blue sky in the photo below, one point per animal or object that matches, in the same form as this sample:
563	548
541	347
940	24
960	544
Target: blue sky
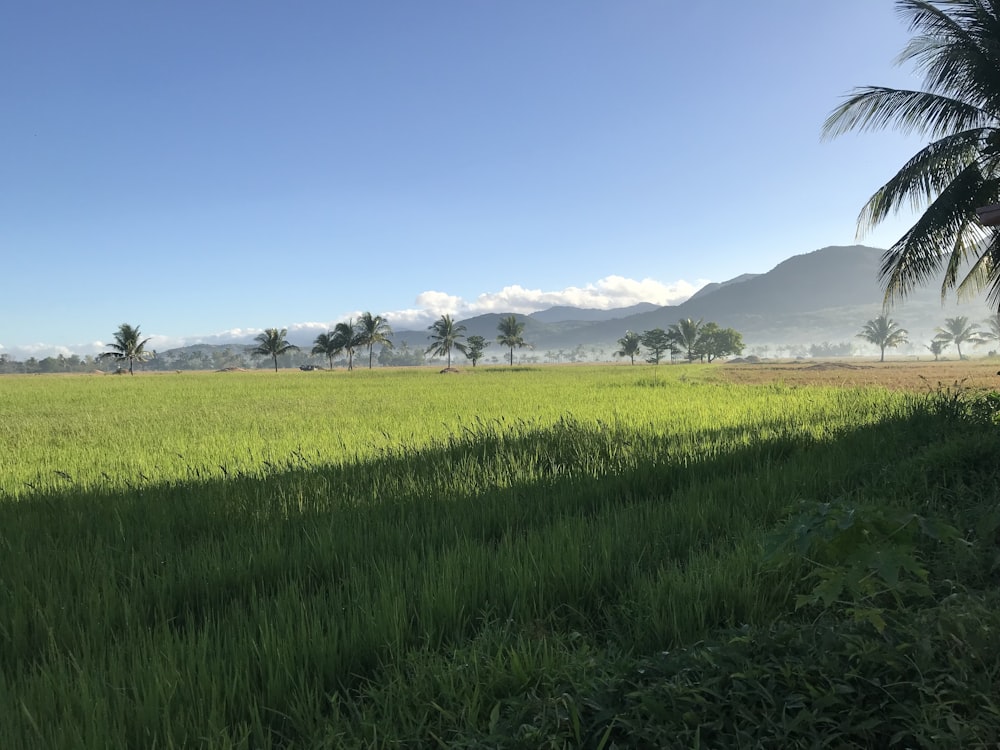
207	170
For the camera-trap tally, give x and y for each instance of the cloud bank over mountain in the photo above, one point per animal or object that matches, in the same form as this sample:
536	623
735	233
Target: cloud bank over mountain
608	293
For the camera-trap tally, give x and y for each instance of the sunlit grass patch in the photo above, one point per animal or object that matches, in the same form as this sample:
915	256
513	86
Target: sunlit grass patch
260	560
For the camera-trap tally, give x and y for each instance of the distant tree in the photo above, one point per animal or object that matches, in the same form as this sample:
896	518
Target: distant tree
50	364
936	347
347	339
401	356
272	343
476	345
127	347
884	332
630	345
445	336
329	345
511	335
685	334
373	329
959	331
714	342
658	342
831	349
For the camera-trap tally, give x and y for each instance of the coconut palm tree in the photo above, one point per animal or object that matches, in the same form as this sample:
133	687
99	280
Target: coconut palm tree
127	347
958	331
685	333
630	344
445	336
373	329
347	340
884	332
328	344
511	334
272	343
956	45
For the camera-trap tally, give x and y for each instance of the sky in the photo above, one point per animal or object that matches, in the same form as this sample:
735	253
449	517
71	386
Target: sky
205	170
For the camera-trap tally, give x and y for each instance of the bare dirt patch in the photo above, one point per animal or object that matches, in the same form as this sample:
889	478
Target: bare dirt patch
912	375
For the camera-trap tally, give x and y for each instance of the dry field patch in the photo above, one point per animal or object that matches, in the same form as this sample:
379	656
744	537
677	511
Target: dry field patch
917	376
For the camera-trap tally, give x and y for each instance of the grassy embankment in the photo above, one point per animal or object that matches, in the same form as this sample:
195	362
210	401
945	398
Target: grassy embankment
498	558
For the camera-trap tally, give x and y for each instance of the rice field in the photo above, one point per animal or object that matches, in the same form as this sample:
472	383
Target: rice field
393	558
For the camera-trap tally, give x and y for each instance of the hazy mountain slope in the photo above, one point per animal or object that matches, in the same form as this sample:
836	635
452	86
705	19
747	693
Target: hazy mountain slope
562	314
831	277
709	288
826	295
821	296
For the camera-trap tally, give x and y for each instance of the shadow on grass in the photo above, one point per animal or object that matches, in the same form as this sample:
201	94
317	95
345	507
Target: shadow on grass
340	566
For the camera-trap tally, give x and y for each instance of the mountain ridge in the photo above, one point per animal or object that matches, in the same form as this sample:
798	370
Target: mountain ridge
825	295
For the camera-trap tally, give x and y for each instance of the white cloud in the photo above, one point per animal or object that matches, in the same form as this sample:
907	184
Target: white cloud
608	293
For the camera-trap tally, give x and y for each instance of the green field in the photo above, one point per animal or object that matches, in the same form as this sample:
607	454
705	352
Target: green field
507	557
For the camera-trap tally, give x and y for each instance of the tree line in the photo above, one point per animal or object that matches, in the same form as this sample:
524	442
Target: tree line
347	338
695	339
371	330
885	333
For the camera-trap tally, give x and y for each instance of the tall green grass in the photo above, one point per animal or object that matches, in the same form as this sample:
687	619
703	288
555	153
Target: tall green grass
322	560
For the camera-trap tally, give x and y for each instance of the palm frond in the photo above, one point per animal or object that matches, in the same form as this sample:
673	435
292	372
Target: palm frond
920	253
985	272
877	107
922	177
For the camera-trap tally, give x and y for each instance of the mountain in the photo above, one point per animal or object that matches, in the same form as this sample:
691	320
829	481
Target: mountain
562	314
709	288
822	296
831	277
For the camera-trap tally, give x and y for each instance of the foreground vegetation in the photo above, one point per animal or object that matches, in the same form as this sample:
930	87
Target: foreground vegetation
558	557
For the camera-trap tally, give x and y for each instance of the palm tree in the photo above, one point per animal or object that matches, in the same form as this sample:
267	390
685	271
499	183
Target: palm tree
328	344
373	329
127	347
511	334
884	332
445	336
347	340
956	45
685	334
629	344
272	343
958	331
